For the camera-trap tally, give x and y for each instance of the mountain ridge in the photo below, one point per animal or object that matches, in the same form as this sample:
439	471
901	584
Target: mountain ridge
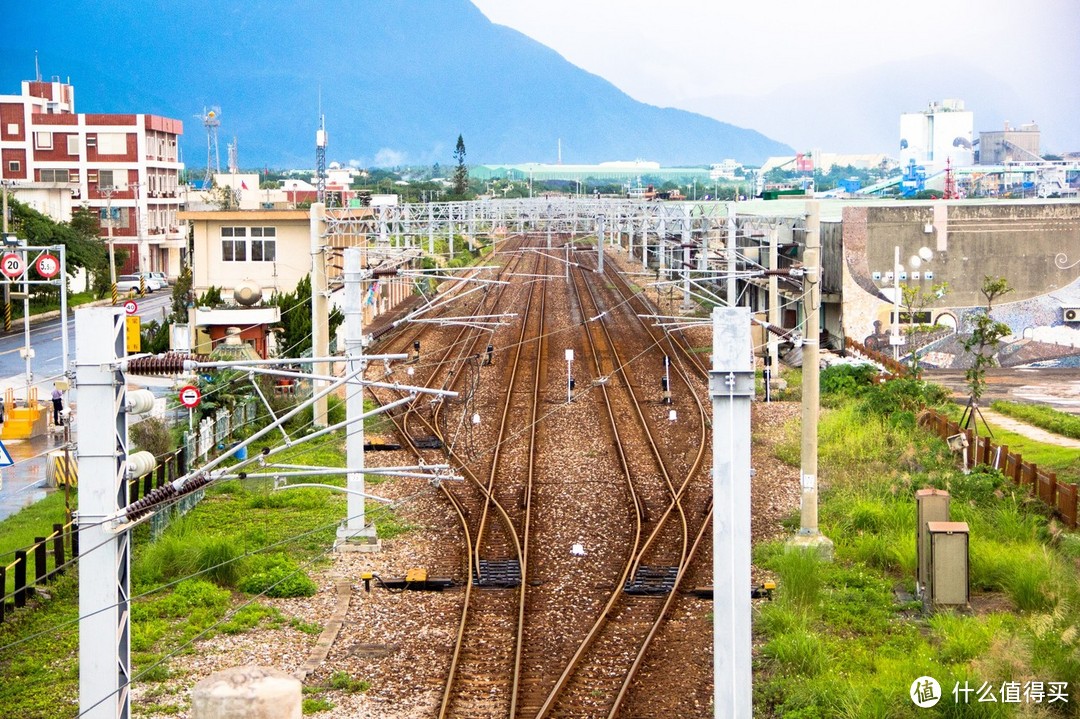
397	81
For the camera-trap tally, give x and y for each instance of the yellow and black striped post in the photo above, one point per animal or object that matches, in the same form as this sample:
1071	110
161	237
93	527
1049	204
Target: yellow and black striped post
142	285
7	315
115	294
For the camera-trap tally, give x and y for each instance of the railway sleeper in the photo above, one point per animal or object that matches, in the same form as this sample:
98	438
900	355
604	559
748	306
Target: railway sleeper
652	580
427	442
497	573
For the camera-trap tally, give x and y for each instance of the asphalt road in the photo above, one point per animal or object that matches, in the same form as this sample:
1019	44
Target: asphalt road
1056	387
23	483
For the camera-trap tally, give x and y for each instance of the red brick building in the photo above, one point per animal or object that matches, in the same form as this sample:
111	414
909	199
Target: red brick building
125	165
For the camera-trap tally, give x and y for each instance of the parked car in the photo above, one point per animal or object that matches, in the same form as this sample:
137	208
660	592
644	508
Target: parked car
127	283
161	279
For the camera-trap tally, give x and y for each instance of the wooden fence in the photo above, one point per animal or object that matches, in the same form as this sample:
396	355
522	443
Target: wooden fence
893	369
1061	497
64	539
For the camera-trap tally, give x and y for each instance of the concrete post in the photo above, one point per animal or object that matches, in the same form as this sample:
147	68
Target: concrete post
248	693
356	532
600	243
774	299
320	314
731	386
732	291
104	582
808	536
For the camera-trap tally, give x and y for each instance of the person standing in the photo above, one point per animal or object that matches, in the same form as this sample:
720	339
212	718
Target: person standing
57	405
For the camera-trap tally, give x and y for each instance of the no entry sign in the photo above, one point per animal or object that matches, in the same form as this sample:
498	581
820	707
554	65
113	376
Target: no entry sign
190	396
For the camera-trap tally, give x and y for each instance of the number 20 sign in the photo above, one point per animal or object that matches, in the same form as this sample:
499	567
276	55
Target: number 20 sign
12	265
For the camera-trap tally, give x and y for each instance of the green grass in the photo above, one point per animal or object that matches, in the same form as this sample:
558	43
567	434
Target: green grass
36	520
841	640
1052	420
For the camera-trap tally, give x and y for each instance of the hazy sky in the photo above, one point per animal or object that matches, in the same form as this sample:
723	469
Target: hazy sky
690	53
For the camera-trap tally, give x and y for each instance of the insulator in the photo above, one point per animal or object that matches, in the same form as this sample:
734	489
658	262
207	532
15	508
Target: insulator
144	505
164	364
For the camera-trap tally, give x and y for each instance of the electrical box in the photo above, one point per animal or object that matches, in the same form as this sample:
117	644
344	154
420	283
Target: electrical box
931	505
416	574
948	574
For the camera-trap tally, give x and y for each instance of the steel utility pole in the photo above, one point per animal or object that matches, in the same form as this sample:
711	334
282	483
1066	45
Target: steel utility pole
731	386
356	532
809	537
7	281
104	583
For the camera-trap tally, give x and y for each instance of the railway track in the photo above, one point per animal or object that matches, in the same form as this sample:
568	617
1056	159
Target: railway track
491	669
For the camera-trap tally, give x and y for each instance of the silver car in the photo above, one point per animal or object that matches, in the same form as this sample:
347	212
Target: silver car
128	283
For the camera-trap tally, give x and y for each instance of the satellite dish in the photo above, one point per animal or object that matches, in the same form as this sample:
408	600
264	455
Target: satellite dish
247	293
903	144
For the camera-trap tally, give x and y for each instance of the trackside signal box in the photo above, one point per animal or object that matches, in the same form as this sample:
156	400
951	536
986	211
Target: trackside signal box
931	505
948	579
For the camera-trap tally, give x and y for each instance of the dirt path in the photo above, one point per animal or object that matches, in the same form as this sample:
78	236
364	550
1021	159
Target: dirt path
1030	431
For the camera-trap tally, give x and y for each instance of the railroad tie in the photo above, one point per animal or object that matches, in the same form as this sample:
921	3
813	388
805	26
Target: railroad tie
652	580
498	573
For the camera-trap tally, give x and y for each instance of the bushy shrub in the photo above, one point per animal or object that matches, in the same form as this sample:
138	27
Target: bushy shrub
275	575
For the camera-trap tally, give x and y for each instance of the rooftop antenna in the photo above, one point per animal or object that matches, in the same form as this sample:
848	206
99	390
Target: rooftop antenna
37	70
320	155
234	162
211	121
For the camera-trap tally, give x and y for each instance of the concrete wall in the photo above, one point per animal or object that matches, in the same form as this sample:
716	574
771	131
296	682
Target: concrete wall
1034	245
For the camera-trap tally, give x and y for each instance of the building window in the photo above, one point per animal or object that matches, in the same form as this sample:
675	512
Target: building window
105	178
48	175
14	166
263	244
112	143
73	144
240	244
43	140
234	244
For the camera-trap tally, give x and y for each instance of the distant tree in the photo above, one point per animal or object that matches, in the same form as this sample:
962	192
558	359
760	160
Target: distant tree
181	295
296	318
986	335
915	300
461	172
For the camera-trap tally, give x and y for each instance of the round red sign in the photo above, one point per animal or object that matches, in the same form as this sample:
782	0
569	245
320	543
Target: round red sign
190	396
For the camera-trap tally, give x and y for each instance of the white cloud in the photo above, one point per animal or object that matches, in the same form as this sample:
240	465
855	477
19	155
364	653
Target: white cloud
389	157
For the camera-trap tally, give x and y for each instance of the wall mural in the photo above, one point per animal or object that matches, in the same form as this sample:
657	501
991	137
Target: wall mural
1044	331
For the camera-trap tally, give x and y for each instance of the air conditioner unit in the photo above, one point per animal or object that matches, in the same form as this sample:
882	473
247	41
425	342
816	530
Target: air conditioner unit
1070	314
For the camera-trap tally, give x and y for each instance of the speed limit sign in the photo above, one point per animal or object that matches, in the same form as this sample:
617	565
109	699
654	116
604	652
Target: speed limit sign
190	396
12	265
47	265
131	307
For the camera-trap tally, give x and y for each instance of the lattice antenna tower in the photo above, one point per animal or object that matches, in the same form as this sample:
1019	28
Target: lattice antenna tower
211	120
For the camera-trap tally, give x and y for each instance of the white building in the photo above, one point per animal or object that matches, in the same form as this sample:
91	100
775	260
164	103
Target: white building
943	132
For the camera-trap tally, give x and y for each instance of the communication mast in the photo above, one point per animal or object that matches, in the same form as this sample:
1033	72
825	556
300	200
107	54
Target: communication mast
234	157
320	160
950	181
211	121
